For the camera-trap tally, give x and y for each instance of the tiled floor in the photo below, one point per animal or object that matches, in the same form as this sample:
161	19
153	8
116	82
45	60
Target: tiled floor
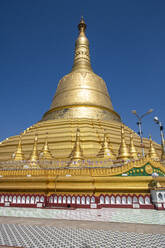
82	228
144	216
53	237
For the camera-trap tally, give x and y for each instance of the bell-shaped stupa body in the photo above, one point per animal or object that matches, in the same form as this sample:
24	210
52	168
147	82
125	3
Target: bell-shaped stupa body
81	93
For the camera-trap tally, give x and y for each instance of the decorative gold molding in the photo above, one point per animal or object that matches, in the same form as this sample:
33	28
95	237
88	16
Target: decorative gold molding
83	105
78	171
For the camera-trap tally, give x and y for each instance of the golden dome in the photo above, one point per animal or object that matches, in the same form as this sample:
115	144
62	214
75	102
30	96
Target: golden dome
81	93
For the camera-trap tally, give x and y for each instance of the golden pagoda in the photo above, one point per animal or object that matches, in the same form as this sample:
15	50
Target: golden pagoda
91	160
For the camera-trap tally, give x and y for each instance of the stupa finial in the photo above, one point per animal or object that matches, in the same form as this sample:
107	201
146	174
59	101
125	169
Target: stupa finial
82	57
82	26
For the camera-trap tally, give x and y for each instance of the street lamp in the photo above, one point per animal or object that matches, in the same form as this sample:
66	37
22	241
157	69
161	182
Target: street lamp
139	123
161	134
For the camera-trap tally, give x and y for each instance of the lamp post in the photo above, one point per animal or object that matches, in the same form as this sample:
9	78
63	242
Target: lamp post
161	134
139	123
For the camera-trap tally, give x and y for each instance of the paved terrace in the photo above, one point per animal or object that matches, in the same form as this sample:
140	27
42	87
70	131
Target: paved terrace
82	228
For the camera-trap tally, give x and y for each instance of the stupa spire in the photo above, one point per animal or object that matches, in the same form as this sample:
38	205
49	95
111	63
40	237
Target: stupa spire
77	153
46	154
123	150
34	156
132	149
106	151
19	156
110	146
82	57
152	152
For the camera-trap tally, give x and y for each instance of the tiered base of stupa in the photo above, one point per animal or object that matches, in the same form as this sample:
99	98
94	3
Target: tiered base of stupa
93	179
127	186
61	137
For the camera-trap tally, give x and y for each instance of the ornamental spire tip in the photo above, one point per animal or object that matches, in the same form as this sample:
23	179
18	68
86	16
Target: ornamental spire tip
82	26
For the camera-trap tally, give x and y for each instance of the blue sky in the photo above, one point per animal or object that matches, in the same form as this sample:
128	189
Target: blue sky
127	48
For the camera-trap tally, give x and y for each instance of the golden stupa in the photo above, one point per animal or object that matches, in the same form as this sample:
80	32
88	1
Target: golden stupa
80	154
